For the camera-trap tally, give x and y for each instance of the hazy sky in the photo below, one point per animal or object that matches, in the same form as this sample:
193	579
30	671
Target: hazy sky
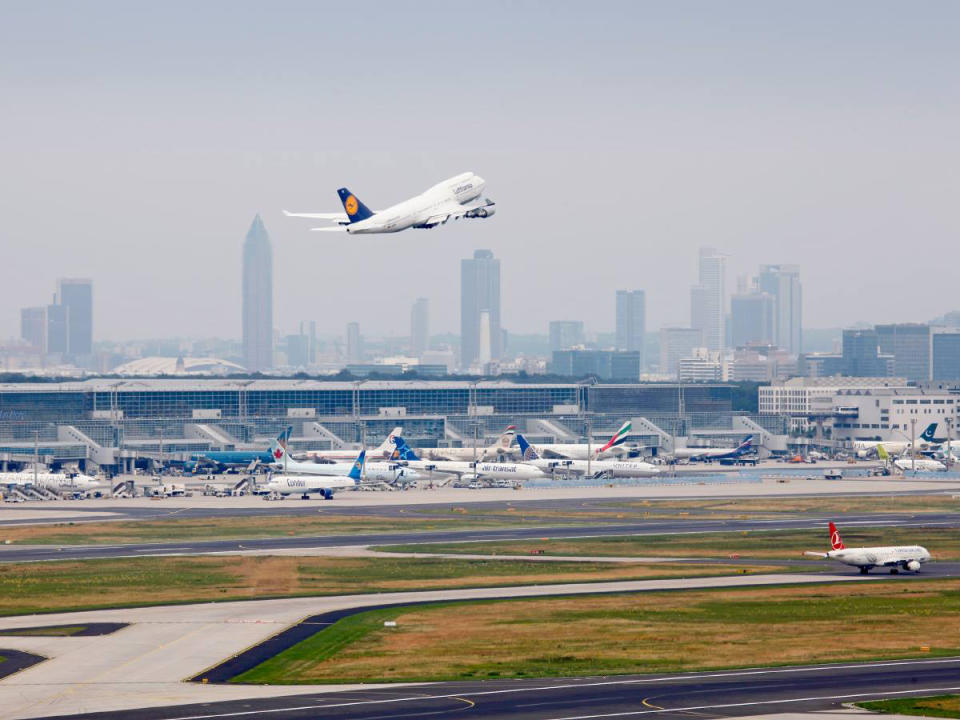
138	140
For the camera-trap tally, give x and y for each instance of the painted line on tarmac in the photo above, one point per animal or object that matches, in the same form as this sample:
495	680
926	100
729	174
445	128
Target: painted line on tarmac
609	683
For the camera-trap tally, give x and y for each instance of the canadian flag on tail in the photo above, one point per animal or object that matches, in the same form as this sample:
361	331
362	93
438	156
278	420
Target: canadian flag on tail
835	542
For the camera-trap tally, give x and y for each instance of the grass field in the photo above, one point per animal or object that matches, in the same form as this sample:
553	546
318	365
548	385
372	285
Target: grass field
943	544
87	584
640	633
943	706
59	631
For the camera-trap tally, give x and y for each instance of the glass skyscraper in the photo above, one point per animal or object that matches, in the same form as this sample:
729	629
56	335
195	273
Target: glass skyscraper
782	282
257	298
419	326
909	343
479	298
708	297
77	296
632	322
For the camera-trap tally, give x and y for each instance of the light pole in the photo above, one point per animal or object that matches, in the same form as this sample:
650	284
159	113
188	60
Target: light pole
913	445
949	421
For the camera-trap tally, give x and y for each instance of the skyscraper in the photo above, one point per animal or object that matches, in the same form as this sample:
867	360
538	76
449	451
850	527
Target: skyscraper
33	327
861	357
479	293
675	344
909	343
707	298
751	319
76	294
782	282
565	334
354	343
632	322
58	329
257	298
419	326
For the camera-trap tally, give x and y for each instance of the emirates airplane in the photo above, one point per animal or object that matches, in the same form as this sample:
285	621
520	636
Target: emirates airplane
458	197
904	557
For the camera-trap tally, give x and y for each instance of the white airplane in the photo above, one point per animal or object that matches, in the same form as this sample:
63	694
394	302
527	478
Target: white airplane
501	448
458	197
478	471
386	472
906	557
305	486
926	442
384	451
579	451
907	463
597	468
53	481
689	453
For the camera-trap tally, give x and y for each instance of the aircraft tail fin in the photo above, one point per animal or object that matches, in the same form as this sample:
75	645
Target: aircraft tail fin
278	448
387	448
356	472
882	452
746	444
356	210
527	450
404	451
618	438
835	542
929	433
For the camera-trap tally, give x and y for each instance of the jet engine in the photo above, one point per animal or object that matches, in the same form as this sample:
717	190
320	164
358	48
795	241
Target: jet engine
913	566
481	212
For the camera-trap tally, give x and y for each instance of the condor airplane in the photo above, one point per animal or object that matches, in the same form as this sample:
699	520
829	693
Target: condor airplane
905	557
597	468
308	485
458	197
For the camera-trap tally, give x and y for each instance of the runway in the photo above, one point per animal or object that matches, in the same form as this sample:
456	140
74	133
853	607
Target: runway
736	693
15	553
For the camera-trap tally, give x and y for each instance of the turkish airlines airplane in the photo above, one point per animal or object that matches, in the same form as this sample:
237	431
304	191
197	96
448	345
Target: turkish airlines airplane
597	468
904	557
452	199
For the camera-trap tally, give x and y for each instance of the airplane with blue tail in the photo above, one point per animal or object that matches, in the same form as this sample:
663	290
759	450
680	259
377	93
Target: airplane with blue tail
595	468
323	485
695	454
463	469
220	460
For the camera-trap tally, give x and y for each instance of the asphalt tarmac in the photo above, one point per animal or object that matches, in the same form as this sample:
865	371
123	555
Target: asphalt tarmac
692	524
733	693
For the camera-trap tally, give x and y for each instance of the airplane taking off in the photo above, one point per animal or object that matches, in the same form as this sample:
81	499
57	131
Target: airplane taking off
458	197
906	557
714	453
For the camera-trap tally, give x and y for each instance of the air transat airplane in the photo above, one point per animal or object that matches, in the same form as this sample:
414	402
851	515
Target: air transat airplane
458	197
714	453
905	557
597	468
578	451
478	471
388	472
306	485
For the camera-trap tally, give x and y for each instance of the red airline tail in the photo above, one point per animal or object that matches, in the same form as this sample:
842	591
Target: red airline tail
835	542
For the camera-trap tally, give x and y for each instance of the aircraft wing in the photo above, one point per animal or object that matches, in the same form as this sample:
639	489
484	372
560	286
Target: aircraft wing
332	228
334	216
549	454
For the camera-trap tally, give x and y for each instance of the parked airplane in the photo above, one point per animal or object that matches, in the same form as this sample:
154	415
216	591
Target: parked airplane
458	197
695	454
596	468
905	557
907	463
222	459
926	441
58	482
502	448
470	470
384	450
385	472
306	485
579	451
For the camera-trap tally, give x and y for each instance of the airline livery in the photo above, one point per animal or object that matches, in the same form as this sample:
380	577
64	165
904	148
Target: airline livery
905	462
897	558
458	197
471	470
597	468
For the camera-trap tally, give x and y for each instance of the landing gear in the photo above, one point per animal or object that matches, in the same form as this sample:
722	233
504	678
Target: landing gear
894	571
864	570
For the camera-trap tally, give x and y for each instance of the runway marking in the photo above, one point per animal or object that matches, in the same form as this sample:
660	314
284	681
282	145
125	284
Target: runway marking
607	683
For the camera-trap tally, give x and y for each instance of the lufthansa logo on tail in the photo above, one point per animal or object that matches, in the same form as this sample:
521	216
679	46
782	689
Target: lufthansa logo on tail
351	205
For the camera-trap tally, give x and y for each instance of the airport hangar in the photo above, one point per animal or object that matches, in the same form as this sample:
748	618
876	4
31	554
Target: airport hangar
114	424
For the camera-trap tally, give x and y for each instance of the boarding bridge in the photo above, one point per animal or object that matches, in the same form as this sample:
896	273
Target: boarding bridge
96	453
218	438
316	431
763	438
551	428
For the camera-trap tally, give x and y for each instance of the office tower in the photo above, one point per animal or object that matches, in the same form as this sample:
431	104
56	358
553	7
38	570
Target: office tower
909	343
604	364
354	343
861	355
782	283
751	319
707	298
257	298
946	356
632	322
298	350
58	329
677	343
419	327
479	292
77	295
485	340
565	334
312	350
33	327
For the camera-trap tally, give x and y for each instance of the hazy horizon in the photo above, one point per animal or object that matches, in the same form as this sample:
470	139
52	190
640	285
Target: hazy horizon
616	139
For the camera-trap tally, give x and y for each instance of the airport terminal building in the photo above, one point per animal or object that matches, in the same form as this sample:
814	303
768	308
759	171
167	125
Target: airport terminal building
106	421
